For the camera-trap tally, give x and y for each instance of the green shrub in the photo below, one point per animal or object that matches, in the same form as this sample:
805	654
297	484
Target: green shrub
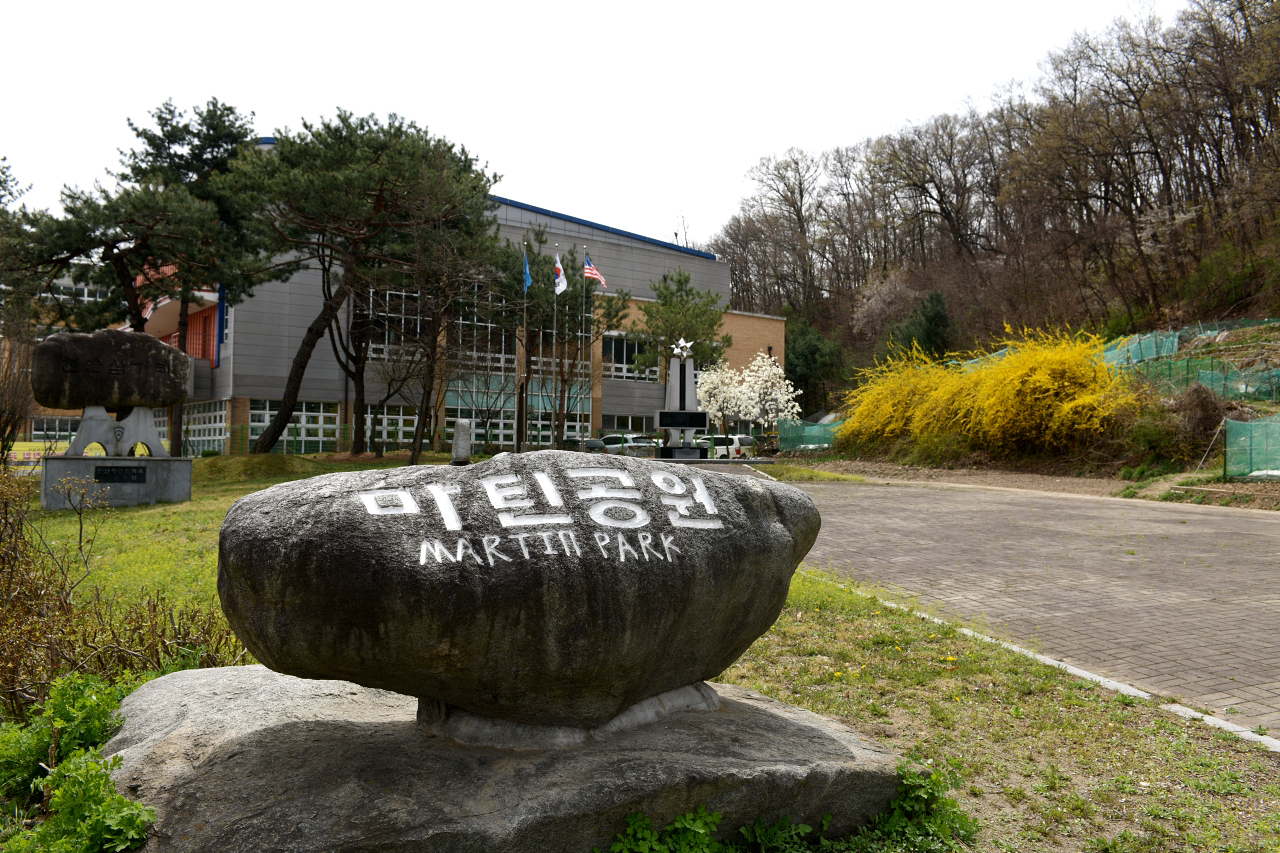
81	711
79	714
937	449
52	773
22	749
921	817
1154	433
85	815
689	833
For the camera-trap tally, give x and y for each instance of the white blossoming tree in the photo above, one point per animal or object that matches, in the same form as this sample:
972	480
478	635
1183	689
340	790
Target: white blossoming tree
759	393
720	395
767	395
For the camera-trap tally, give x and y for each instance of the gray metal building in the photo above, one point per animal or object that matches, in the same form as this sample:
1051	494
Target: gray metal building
239	388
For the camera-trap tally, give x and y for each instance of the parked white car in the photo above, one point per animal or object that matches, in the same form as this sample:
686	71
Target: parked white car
728	446
630	445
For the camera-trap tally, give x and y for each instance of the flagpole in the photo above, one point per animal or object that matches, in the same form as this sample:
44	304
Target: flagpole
522	392
555	371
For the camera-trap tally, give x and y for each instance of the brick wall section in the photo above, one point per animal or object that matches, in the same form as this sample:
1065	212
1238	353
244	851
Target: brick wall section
597	385
238	426
754	333
39	411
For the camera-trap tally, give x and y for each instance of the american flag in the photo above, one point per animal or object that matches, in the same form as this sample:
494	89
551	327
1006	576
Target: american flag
590	271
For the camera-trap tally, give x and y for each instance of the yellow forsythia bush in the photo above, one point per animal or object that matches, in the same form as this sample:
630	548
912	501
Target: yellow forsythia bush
884	405
1044	391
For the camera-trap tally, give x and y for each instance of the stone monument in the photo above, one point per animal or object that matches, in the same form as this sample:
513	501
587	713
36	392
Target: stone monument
128	373
461	452
681	416
510	655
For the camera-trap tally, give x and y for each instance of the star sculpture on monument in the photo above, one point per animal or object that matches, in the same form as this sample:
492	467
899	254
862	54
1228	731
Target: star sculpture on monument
682	348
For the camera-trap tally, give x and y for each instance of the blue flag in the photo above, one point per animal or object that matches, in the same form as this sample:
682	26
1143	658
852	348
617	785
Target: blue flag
528	279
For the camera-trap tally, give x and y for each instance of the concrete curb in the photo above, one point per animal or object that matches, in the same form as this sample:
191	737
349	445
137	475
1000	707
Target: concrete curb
1273	744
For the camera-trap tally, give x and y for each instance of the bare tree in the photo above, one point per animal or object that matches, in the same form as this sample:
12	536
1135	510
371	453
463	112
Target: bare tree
486	389
394	368
1135	182
16	403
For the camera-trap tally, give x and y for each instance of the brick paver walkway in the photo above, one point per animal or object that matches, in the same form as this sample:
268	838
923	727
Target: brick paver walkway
1176	599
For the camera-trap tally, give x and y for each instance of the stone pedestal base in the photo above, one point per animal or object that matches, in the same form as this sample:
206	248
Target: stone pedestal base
243	758
116	480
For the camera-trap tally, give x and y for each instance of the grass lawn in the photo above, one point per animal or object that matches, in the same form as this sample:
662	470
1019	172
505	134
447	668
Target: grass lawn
1050	762
802	474
173	548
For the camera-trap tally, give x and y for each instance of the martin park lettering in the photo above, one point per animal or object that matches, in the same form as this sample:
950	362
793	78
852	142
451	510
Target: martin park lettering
611	497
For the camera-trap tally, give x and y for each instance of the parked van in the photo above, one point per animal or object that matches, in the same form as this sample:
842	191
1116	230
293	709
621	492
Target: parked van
728	446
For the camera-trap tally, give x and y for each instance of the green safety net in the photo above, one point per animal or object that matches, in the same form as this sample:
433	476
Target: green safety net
1175	375
1139	348
1253	448
983	359
1217	327
1220	376
797	435
1242	384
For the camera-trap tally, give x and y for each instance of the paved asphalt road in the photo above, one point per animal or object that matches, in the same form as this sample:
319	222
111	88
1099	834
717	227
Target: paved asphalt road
1176	599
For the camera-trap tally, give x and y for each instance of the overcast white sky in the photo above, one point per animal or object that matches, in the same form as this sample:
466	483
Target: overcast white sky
642	116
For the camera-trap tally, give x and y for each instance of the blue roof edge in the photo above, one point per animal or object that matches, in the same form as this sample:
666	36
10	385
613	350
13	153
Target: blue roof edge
577	221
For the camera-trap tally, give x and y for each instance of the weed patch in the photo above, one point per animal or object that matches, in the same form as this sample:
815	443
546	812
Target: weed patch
53	622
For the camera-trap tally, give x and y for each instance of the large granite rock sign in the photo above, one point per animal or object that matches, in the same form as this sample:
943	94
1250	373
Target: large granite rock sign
548	589
111	368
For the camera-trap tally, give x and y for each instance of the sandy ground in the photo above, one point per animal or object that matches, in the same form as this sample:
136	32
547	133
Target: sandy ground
1252	495
976	477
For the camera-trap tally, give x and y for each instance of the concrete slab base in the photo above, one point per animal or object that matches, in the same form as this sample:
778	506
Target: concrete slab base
243	758
115	480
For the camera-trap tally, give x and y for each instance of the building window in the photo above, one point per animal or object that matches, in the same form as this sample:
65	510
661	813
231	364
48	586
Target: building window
54	433
80	292
626	423
314	428
393	428
619	355
396	316
204	427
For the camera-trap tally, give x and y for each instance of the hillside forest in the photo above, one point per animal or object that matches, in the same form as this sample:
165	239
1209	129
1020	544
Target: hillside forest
1135	185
